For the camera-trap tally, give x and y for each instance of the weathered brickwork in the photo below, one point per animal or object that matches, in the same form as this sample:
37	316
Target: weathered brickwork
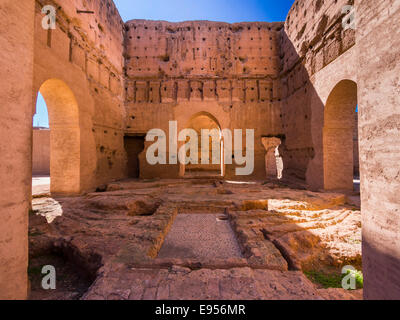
378	47
15	165
297	82
312	39
228	70
85	51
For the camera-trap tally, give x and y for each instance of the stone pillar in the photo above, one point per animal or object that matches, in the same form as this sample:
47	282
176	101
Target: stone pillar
16	87
273	161
378	47
279	163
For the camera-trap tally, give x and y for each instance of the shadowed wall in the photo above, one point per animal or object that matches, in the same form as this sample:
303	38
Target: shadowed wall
379	123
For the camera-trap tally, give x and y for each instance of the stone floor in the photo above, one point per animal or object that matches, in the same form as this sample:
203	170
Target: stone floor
199	239
200	236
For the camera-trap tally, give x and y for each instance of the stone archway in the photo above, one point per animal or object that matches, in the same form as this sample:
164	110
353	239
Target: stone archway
338	136
63	114
273	161
205	121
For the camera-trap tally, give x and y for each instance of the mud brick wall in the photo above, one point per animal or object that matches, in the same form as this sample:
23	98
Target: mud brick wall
378	35
85	51
175	70
312	39
15	134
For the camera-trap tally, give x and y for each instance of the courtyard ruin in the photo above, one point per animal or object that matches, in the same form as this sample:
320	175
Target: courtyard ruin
201	239
321	96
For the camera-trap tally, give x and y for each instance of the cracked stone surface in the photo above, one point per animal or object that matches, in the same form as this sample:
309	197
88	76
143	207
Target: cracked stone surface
267	235
178	284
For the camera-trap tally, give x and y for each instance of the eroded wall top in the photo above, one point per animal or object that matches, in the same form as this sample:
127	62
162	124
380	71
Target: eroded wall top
160	49
314	31
94	24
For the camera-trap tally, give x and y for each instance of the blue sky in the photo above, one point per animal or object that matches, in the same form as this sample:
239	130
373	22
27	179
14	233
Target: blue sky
181	10
214	10
41	118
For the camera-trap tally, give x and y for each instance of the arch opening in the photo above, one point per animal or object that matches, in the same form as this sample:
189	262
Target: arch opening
64	137
340	137
199	122
273	158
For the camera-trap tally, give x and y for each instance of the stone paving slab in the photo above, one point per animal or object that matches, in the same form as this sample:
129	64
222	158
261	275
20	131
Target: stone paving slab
200	236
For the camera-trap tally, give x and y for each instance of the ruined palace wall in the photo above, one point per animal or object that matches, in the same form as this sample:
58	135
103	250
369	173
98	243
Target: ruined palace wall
323	82
175	70
86	52
16	65
378	47
316	54
41	152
